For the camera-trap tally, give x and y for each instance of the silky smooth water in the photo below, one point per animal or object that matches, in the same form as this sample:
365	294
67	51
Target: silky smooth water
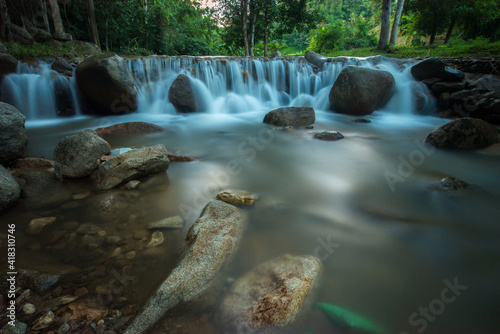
388	248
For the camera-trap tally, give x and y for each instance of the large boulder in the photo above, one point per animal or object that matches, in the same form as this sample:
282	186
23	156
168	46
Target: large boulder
82	47
107	84
213	240
20	35
181	95
361	91
464	133
271	297
12	134
77	155
428	68
131	165
9	189
8	64
291	116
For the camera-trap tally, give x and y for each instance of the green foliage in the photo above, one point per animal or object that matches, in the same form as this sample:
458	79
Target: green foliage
343	35
137	27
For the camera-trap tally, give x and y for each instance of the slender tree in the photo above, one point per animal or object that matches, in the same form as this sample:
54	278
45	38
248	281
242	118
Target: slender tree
244	21
94	34
397	19
56	17
385	26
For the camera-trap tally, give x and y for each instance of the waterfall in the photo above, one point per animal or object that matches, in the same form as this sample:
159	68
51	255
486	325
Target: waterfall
222	85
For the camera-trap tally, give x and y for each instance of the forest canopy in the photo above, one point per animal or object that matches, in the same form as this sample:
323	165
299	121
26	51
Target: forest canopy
252	27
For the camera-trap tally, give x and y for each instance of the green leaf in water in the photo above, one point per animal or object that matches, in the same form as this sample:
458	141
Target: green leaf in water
349	320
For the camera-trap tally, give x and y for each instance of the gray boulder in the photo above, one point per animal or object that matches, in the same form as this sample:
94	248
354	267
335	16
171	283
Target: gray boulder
181	95
77	155
316	59
271	297
41	189
291	116
107	84
428	68
9	189
276	54
20	35
213	240
131	165
12	134
328	135
8	64
464	133
361	91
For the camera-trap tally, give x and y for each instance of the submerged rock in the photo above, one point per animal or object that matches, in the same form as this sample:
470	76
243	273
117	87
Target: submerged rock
213	240
131	165
464	133
328	135
77	155
36	226
18	328
42	189
182	96
237	197
449	183
361	91
107	84
9	189
171	222
12	134
131	128
271	297
291	116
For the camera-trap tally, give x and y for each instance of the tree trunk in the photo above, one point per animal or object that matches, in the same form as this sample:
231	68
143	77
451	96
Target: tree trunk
244	13
45	17
395	24
4	22
386	25
253	18
56	17
450	28
94	34
266	28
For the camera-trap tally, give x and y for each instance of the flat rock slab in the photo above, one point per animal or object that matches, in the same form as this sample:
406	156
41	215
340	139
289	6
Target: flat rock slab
130	128
291	116
213	240
131	165
271	297
237	197
170	222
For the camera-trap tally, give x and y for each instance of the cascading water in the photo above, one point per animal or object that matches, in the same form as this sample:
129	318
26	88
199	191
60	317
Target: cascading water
225	86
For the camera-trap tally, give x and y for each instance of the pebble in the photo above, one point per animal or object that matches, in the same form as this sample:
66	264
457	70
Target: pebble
87	229
141	234
156	240
113	240
64	329
44	321
171	222
81	292
116	252
70	225
81	195
132	184
36	226
130	255
29	308
64	300
237	197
